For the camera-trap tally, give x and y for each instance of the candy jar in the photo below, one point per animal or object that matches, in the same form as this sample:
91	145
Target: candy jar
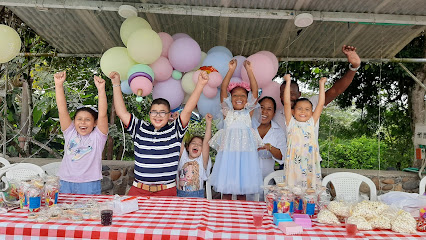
310	200
298	200
421	222
323	198
271	196
51	190
22	193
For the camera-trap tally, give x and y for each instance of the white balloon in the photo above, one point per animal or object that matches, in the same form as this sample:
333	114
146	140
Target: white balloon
10	43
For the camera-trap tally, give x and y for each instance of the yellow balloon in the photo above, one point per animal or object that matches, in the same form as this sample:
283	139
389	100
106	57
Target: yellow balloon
116	59
187	84
10	43
144	46
131	25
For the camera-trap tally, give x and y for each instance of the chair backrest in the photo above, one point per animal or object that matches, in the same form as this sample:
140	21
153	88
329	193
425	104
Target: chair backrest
278	177
422	186
4	162
23	171
346	185
51	168
234	197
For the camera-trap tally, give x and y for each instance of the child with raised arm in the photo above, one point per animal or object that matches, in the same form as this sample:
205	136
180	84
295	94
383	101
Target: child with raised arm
195	164
302	161
236	169
85	137
157	144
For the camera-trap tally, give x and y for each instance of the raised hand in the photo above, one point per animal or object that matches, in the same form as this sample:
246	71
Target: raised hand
115	77
209	118
60	77
352	56
287	78
232	64
247	65
99	82
203	78
322	81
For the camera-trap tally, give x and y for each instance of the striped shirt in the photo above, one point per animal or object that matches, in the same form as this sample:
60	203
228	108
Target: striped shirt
156	151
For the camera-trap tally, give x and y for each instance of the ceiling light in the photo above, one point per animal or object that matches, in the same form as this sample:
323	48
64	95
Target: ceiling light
127	11
303	20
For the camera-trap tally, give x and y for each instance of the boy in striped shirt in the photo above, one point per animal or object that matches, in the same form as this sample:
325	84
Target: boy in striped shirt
157	144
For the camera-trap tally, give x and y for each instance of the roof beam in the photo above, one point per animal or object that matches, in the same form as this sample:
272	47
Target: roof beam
219	11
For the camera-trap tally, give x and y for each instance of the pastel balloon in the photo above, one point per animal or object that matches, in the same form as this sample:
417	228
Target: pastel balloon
188	85
203	56
221	49
162	69
125	88
195	76
141	83
144	46
184	54
116	59
131	25
273	59
263	70
167	41
273	90
218	60
171	90
176	36
240	61
176	75
210	92
235	79
141	68
10	43
215	79
210	105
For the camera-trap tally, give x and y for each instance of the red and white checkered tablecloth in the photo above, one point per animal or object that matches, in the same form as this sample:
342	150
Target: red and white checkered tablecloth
173	218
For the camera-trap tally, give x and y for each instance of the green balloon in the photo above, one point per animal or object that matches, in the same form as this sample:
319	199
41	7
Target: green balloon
176	74
141	68
139	99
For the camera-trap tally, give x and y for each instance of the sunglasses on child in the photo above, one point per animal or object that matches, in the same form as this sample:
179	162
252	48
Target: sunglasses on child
155	113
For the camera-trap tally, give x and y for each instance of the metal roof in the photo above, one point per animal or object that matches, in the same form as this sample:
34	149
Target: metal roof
379	29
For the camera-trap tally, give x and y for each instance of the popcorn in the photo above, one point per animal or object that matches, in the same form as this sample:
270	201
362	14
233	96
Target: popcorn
360	222
369	209
404	223
380	222
339	208
327	217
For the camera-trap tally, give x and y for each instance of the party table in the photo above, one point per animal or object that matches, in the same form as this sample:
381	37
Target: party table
173	218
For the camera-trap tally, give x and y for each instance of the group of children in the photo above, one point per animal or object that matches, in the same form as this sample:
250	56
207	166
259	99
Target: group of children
164	166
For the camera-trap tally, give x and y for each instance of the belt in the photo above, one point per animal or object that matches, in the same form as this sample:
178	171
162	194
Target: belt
153	187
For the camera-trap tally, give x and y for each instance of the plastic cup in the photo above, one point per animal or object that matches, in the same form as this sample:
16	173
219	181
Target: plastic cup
257	218
106	217
351	229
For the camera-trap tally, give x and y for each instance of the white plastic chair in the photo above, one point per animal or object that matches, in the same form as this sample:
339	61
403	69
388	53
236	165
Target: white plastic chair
234	197
422	186
51	168
4	162
278	177
346	185
22	171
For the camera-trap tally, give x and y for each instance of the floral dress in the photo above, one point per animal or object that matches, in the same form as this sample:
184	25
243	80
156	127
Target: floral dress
302	161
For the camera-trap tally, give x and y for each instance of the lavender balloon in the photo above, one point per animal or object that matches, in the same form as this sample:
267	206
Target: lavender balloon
184	54
171	90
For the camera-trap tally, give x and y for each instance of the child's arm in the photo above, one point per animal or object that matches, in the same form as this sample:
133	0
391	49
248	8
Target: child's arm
224	87
253	83
64	116
207	136
287	101
321	100
102	122
185	115
120	107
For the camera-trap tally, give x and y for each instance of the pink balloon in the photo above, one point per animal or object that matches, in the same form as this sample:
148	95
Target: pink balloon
184	54
215	79
195	76
167	40
162	69
273	58
141	83
273	90
235	79
209	92
176	36
262	68
171	90
240	61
